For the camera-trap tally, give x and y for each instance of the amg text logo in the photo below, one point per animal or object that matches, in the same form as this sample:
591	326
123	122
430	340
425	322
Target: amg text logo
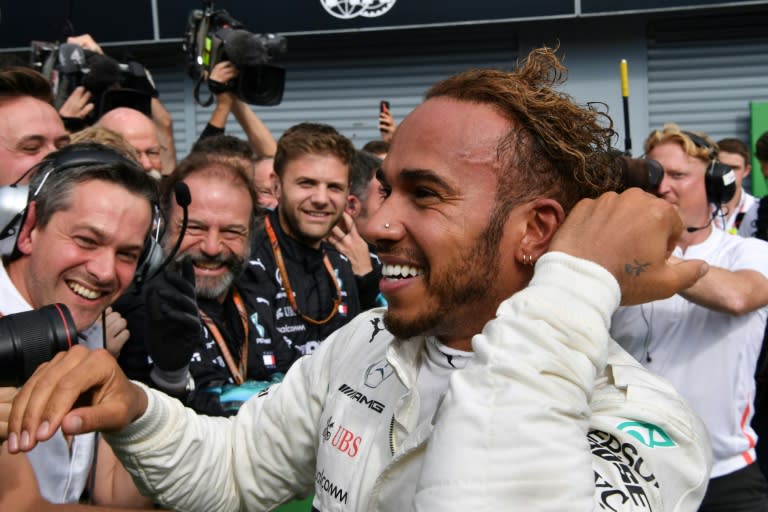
358	397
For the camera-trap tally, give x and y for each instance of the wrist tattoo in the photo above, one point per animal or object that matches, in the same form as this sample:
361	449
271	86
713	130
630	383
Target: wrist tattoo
636	267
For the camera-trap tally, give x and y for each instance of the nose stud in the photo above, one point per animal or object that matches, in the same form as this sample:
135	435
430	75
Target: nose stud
386	226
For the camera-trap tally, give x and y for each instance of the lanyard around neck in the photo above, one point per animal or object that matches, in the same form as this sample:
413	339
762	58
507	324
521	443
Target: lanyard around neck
239	372
287	284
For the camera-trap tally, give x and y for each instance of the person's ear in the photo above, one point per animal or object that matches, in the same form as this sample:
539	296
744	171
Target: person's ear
543	219
27	230
354	206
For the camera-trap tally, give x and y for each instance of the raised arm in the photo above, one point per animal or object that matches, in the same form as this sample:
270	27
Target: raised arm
261	139
511	433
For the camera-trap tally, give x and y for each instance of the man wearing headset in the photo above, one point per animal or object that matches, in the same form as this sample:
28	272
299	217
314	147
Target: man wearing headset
192	317
83	234
706	339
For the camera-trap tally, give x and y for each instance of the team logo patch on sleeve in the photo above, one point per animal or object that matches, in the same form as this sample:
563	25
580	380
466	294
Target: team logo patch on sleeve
648	434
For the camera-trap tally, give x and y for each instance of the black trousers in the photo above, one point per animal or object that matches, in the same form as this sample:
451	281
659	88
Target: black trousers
745	490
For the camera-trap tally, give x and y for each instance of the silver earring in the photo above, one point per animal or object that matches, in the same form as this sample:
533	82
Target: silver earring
386	226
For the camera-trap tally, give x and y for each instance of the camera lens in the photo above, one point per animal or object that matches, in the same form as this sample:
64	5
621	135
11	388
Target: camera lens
31	338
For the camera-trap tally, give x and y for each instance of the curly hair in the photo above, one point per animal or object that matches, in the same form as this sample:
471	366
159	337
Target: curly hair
555	147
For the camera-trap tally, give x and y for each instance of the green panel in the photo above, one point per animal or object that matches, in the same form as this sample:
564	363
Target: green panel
758	125
296	506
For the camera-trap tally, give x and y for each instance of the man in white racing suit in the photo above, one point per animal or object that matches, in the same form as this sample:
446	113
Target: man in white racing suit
408	407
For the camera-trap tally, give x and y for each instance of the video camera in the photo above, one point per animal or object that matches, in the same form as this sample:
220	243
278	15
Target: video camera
213	36
112	84
31	338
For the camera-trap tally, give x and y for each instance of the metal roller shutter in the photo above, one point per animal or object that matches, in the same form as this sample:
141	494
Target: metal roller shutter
703	72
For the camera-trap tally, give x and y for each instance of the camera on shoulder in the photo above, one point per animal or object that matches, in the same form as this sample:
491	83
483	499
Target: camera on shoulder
213	36
111	83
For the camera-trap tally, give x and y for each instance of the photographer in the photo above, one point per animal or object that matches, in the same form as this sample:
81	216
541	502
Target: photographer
260	139
86	222
220	82
110	85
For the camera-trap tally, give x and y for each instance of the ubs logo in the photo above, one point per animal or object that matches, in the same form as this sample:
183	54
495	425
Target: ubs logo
348	9
346	441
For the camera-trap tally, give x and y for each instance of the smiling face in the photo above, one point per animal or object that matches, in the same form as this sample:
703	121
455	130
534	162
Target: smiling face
29	130
86	255
313	193
448	260
216	239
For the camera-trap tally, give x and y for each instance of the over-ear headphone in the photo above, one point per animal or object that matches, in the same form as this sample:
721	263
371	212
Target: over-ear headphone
97	155
719	180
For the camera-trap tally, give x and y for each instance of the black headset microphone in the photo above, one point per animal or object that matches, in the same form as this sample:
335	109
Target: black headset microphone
183	199
719	180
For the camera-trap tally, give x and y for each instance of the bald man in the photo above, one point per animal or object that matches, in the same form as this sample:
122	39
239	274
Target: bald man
140	132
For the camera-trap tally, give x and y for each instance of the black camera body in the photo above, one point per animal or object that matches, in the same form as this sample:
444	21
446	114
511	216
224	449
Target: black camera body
32	338
111	83
213	36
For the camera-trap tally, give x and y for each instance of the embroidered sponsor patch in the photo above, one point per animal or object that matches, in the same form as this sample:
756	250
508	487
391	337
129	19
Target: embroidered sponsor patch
648	434
269	359
377	373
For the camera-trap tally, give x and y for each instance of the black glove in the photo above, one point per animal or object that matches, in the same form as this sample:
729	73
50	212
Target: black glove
173	328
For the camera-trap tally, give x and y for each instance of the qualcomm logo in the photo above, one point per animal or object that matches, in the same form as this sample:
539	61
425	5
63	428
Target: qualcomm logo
348	9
